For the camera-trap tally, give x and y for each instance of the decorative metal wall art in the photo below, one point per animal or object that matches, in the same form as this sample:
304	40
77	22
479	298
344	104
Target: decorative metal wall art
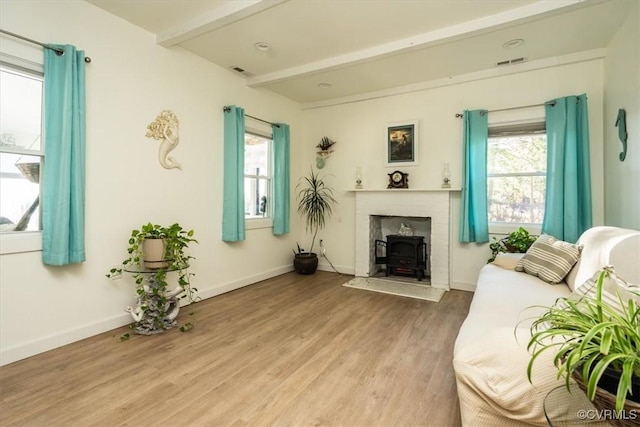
621	124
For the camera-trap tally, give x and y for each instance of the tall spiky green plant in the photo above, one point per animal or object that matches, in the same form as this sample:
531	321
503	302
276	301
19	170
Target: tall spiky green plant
589	335
314	203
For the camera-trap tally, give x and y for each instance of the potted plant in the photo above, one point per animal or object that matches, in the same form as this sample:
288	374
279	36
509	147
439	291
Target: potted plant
516	242
315	199
157	304
595	342
152	243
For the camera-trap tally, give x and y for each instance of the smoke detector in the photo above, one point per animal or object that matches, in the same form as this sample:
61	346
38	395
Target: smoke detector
262	46
512	44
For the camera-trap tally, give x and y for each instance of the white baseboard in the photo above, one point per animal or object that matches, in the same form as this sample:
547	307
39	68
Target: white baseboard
323	265
469	287
246	281
41	345
51	342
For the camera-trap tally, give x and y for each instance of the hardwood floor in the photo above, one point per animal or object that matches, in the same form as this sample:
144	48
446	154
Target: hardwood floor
289	351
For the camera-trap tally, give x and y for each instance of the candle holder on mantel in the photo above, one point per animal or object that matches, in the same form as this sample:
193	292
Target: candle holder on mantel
446	176
358	178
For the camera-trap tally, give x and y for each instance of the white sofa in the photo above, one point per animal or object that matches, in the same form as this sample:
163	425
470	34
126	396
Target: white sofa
490	363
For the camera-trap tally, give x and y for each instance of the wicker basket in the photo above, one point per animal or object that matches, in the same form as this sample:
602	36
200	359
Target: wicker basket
510	248
603	400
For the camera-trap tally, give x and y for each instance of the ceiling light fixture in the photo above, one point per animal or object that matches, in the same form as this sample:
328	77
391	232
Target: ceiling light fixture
262	46
324	85
513	43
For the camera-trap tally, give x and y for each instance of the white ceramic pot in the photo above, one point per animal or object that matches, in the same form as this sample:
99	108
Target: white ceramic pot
153	253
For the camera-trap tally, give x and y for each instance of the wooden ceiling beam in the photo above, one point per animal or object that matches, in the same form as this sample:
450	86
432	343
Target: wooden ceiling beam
219	17
475	27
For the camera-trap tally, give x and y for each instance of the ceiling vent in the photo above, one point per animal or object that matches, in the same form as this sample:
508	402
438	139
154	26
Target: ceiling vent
241	70
511	61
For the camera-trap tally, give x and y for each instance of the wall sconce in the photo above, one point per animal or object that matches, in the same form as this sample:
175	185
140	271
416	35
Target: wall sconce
324	151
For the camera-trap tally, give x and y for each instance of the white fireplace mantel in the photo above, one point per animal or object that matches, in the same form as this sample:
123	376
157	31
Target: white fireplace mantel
401	190
434	204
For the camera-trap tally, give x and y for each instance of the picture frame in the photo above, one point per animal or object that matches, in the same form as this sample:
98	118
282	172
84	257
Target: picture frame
402	143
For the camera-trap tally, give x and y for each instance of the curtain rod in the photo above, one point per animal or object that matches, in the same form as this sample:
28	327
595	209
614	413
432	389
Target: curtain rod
58	52
552	103
226	109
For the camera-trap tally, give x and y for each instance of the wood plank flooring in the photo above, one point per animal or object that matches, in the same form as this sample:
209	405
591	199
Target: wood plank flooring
289	351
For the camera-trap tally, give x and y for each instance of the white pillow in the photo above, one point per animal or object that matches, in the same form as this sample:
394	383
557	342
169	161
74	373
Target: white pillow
507	260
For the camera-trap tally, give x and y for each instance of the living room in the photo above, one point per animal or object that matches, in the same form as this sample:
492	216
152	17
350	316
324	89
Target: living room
131	79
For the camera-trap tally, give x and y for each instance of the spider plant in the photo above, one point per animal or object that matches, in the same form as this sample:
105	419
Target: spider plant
314	203
589	336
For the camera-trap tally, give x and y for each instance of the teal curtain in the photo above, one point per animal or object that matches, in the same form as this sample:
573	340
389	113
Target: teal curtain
568	196
474	225
233	191
281	175
63	178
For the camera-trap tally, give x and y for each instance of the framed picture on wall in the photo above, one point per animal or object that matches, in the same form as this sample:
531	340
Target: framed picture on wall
402	143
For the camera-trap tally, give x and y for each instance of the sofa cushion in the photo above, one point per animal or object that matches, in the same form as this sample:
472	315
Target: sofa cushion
549	259
507	260
490	356
494	368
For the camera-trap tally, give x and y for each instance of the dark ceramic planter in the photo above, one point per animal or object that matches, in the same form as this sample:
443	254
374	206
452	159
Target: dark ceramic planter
305	263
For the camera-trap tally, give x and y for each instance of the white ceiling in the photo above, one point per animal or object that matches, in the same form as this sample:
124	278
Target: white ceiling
364	46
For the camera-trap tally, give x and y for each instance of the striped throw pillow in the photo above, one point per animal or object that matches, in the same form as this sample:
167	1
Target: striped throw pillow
549	259
616	294
614	289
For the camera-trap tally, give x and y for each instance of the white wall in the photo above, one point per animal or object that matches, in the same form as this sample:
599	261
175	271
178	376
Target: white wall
359	129
622	90
129	82
132	79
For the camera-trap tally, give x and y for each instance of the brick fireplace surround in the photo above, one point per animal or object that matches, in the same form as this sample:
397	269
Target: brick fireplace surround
434	204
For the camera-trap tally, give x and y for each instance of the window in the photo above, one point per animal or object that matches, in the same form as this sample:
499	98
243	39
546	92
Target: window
21	151
257	176
516	173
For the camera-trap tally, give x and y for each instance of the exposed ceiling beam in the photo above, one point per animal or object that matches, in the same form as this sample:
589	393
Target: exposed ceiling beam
226	14
455	32
540	64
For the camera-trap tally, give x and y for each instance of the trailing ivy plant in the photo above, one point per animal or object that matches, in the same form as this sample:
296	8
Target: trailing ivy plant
516	242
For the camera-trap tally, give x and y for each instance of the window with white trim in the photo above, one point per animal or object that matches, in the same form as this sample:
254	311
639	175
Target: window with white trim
21	150
257	175
516	174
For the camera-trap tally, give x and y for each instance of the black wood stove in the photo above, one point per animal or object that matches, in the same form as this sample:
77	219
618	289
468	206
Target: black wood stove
403	255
